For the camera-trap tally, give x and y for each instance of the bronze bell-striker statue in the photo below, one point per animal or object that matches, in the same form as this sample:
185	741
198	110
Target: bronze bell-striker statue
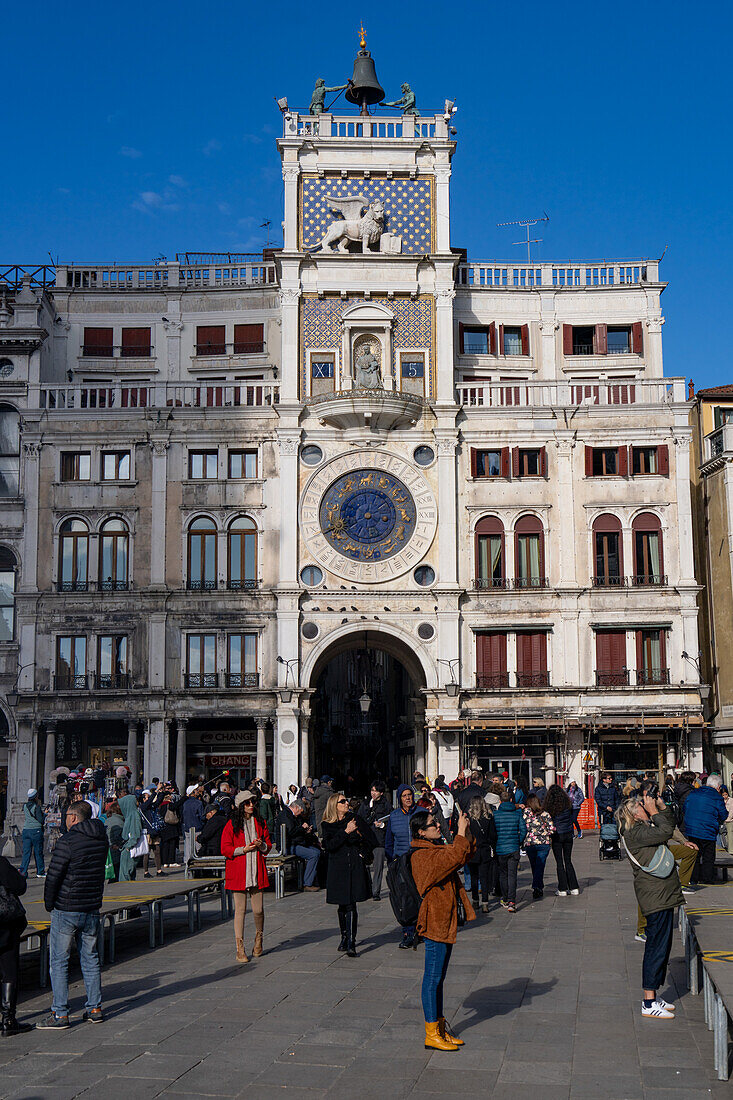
364	88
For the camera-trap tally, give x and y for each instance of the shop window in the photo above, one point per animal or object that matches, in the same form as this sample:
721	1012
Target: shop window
646	533
242	661
211	340
608	552
76	466
9	452
490	463
201	661
98	343
490	571
611	670
491	667
8	572
71	662
114	552
242	545
73	556
136	343
529	538
112	661
203	465
651	658
115	466
532	660
242	464
202	538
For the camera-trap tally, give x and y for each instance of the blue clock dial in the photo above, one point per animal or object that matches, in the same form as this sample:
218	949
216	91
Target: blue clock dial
368	515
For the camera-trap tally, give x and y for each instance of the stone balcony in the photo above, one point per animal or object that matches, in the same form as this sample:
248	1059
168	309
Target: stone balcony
377	409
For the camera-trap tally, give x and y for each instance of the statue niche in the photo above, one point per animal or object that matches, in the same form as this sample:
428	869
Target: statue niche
367	356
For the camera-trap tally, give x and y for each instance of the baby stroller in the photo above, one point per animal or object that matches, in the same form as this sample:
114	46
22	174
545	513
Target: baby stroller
608	843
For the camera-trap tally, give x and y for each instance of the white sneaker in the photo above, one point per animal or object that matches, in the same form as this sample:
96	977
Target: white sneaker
665	1004
640	937
575	893
561	893
658	1010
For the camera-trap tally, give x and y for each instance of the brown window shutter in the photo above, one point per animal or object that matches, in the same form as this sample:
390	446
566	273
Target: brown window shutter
603	650
543	568
98	341
474	462
623	461
567	339
663	460
543	461
515	461
637	338
601	340
248	339
589	462
492	338
639	649
505	462
501	339
135	341
460	337
525	339
211	340
663	648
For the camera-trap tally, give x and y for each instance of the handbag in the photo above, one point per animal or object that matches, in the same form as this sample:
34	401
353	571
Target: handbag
661	865
141	848
11	908
171	817
461	912
109	868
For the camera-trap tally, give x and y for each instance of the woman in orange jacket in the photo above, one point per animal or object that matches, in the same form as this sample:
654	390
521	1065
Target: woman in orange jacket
245	842
434	869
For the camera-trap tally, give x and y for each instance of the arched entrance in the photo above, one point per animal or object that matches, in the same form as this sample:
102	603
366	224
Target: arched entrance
367	711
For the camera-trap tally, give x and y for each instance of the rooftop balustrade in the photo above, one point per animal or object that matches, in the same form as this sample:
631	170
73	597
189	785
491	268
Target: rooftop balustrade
569	274
121	395
343	125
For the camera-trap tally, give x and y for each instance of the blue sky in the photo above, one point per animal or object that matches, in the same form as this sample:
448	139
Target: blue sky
139	130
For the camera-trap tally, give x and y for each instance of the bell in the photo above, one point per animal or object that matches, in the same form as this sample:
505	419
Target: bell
364	88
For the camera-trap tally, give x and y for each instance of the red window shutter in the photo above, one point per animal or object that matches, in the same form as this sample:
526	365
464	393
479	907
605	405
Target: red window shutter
505	462
248	339
525	339
637	338
663	460
543	571
501	339
532	652
211	340
623	461
603	650
663	648
515	461
490	654
474	462
98	341
492	338
589	462
601	340
543	461
639	649
567	339
136	342
460	337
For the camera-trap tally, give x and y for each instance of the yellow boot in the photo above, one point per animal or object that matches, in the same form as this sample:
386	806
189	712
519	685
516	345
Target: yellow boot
434	1040
446	1033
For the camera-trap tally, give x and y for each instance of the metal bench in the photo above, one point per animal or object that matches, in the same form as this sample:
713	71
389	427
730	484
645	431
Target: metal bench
278	866
712	971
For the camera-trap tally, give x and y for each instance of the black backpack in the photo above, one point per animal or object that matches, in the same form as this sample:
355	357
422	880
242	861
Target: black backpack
404	896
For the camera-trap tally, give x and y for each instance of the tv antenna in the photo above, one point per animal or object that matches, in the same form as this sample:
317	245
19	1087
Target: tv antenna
266	225
527	223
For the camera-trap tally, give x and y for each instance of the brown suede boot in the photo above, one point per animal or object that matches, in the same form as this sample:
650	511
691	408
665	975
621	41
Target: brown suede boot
257	949
434	1040
241	954
446	1032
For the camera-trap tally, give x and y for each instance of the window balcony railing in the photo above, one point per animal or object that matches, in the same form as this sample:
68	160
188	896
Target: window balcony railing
73	586
609	581
530	582
242	679
201	680
113	585
582	349
533	679
649	580
70	681
505	584
202	586
250	347
111	351
495	681
253	347
113	681
241	584
211	349
491	582
612	677
652	677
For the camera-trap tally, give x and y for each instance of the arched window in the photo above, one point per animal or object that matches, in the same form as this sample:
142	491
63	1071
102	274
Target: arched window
74	554
9	452
529	553
242	546
608	552
648	552
7	595
202	554
490	571
114	547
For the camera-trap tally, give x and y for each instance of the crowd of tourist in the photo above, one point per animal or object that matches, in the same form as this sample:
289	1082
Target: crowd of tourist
439	842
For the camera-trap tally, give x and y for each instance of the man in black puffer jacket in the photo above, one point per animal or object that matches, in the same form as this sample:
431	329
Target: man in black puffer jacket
73	896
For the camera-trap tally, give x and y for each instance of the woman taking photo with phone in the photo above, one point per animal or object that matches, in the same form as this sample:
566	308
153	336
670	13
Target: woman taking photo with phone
347	878
645	825
245	842
434	868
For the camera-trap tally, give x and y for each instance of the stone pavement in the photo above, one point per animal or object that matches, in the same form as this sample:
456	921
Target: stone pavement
548	998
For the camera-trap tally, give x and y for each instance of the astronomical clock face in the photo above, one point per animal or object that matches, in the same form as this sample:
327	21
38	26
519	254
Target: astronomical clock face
368	517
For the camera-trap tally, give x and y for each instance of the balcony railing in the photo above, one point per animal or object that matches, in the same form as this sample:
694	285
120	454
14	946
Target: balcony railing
72	586
202	585
567	394
652	677
198	680
112	585
508	275
241	585
533	679
252	348
496	681
612	677
69	681
507	584
485	583
242	679
530	582
117	351
649	580
405	127
92	681
112	681
203	270
609	582
121	396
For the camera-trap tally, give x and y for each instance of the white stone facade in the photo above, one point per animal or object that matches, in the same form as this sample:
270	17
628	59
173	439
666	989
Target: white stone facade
187	368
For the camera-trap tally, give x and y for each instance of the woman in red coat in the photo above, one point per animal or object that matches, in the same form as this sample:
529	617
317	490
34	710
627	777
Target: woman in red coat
244	843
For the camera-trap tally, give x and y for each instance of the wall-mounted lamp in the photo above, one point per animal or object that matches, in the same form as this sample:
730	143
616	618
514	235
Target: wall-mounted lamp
452	688
286	693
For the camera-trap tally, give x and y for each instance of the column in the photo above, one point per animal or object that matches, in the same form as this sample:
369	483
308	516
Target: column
155	760
562	536
432	735
286	746
304	740
181	753
289	312
32	457
549	766
49	759
290	224
448	526
132	750
158	447
442	209
261	765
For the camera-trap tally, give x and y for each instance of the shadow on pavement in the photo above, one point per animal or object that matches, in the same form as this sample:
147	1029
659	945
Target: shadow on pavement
500	1000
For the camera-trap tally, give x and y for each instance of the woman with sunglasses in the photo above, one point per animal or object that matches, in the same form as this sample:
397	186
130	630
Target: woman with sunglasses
245	842
347	840
435	868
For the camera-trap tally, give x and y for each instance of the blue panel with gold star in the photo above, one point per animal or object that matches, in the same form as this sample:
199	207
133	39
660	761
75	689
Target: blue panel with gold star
408	207
368	515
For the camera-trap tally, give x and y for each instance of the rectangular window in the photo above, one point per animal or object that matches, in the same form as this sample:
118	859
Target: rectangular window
98	343
112	661
71	661
512	340
115	465
242	660
203	465
76	466
7	602
201	661
248	339
651	658
242	464
604	461
581	339
532	660
611	670
211	340
723	416
650	460
618	339
529	462
491	670
136	343
488	464
476	341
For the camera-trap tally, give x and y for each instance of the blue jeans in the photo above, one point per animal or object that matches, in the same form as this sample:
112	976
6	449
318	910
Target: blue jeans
311	857
65	928
32	842
538	854
437	957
